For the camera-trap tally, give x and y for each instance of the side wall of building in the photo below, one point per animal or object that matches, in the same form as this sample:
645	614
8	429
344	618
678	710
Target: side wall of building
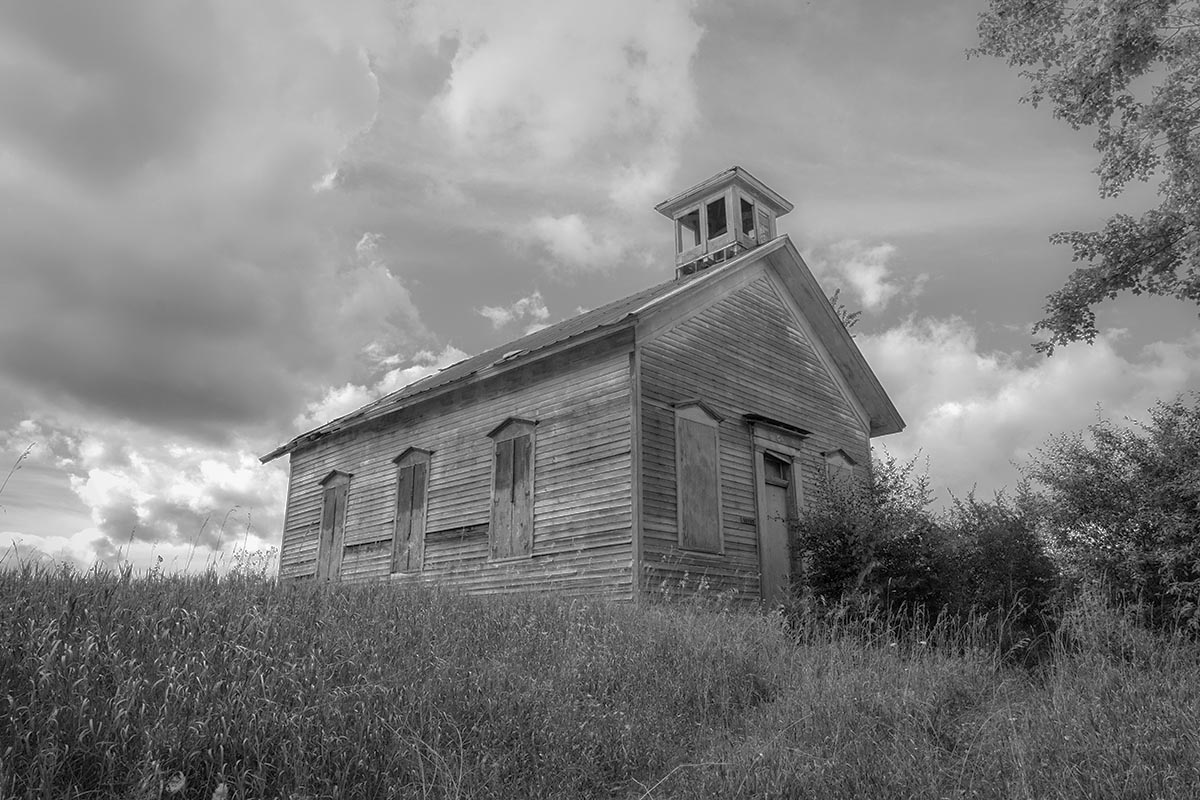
582	534
743	354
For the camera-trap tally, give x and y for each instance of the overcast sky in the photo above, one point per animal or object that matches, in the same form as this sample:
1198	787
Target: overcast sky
226	222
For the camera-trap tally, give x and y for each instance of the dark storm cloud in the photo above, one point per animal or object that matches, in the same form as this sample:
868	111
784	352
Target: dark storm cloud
167	255
190	342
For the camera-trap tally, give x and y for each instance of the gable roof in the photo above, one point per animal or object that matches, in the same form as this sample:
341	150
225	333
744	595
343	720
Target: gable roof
568	333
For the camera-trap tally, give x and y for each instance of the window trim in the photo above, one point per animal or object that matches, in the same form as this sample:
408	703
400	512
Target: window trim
513	428
410	459
696	410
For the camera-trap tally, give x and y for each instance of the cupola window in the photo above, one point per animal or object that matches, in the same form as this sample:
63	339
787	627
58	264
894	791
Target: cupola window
720	218
689	231
747	218
717	225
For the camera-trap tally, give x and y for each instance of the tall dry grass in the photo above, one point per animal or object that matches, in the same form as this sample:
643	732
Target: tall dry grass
153	687
110	686
873	711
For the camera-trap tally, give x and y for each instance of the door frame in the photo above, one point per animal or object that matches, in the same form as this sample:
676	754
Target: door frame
786	443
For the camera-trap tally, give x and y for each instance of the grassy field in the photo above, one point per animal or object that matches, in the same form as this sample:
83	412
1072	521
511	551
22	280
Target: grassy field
206	687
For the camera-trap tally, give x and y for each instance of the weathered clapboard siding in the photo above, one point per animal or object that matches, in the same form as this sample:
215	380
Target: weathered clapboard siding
582	494
743	354
598	570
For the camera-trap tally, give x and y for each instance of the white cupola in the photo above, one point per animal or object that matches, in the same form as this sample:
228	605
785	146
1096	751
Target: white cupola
719	218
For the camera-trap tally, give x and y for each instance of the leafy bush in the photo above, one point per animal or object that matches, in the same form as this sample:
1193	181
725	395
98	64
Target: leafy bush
1004	572
875	547
870	540
1122	505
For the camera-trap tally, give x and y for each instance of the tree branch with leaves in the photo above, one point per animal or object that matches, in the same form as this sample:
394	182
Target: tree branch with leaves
1131	70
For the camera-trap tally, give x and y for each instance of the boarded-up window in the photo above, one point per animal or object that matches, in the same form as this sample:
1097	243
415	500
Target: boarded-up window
698	477
839	468
333	526
408	540
511	531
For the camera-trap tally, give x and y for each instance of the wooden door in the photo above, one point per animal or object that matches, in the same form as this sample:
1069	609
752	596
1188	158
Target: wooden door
774	527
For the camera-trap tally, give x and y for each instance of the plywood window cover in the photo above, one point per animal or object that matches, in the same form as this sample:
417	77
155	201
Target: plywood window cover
409	459
336	478
839	458
698	411
839	466
513	428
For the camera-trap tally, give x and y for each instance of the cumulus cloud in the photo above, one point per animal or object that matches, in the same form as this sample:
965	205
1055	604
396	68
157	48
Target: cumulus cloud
341	400
553	122
975	413
531	310
571	243
184	268
545	79
146	498
865	270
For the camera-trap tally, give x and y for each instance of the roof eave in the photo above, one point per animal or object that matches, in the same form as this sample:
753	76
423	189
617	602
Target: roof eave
669	206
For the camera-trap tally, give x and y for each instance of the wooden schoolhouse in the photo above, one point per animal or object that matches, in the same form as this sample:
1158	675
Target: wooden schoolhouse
666	439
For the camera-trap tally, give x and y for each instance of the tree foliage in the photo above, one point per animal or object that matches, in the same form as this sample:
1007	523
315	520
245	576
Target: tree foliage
1131	69
1124	503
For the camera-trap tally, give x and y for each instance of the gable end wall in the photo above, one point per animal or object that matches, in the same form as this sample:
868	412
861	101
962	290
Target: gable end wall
745	353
